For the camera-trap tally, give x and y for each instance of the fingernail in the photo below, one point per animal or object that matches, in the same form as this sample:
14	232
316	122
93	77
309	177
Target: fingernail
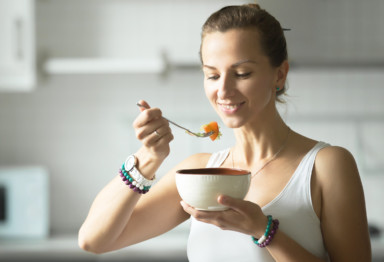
221	198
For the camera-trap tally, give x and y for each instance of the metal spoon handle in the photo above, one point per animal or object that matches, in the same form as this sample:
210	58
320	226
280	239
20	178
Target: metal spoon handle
179	126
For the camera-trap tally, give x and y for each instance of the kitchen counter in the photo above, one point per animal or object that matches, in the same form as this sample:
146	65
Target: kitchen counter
168	247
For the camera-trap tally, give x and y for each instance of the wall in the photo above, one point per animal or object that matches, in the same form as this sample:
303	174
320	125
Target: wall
79	126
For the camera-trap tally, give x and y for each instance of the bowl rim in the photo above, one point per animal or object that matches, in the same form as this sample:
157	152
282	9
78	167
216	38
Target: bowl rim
214	171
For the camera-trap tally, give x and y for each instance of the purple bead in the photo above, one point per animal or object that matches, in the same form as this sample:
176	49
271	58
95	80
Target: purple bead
273	231
136	189
131	186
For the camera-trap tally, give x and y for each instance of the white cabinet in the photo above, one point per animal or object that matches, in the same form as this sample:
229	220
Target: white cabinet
17	45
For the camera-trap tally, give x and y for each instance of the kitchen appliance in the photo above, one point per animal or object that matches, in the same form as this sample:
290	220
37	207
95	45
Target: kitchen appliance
24	202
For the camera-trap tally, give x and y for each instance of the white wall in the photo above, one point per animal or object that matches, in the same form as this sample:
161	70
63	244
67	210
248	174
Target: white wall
79	126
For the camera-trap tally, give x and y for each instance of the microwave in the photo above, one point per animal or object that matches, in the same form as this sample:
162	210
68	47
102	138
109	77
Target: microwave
24	202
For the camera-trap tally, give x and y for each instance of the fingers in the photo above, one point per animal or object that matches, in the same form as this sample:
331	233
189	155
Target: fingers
153	130
242	216
217	218
144	104
236	204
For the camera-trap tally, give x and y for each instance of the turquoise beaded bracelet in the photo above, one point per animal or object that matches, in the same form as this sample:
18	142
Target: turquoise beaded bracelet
269	233
129	181
264	237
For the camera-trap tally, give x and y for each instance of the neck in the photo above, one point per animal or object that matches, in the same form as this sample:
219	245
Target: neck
258	143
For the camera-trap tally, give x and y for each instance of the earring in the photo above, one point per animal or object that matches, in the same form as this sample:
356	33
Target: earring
277	88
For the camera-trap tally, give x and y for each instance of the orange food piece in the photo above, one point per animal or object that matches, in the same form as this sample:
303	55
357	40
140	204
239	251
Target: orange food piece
213	126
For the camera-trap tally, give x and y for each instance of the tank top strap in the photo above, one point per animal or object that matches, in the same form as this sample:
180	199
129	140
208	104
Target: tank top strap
217	158
299	187
309	159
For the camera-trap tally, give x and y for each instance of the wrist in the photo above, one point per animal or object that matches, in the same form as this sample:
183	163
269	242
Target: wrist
270	232
148	163
261	227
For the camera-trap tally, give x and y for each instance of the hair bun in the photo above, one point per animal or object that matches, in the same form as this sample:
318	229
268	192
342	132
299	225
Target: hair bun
256	6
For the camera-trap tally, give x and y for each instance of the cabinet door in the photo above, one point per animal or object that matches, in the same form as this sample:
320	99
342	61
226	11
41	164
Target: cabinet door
17	47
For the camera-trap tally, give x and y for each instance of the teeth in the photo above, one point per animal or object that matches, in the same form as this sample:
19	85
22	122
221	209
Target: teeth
229	106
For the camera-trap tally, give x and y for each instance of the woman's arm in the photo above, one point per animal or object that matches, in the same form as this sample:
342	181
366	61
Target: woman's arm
119	216
343	214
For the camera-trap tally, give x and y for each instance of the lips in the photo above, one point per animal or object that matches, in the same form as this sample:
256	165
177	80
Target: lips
230	107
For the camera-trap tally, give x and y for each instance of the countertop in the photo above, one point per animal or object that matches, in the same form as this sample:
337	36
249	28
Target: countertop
169	247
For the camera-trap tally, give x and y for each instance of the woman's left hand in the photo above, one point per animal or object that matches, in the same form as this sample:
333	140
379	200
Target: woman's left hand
242	216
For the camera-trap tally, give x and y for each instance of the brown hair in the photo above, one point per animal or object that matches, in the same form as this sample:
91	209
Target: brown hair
273	41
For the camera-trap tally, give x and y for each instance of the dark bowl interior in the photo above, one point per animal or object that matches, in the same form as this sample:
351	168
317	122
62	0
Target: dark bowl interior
214	171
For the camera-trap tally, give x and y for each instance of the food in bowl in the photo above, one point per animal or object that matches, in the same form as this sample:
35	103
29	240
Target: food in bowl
201	187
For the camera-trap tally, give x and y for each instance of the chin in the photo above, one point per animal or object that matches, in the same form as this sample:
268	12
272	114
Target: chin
232	123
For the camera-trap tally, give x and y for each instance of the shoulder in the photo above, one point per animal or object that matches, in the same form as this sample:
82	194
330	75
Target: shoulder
334	159
335	169
199	160
339	182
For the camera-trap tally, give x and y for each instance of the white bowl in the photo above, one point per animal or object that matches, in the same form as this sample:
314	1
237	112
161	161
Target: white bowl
201	187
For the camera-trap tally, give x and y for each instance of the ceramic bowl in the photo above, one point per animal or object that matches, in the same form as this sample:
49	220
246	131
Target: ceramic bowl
201	187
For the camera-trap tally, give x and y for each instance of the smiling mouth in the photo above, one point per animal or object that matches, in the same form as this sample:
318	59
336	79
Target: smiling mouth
230	107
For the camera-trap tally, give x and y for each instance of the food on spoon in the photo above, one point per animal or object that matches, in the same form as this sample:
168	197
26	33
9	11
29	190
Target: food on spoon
213	126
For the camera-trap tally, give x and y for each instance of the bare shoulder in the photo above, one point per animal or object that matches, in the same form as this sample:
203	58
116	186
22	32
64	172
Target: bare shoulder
343	214
198	160
334	162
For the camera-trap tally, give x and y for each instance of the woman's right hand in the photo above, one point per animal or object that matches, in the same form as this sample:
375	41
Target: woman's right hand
154	133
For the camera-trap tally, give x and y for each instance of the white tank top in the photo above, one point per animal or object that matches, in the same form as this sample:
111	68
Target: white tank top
293	207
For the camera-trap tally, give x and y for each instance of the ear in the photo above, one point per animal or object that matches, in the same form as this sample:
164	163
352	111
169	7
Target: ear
281	73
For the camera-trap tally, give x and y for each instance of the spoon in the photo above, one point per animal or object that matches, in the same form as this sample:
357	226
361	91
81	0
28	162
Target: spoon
179	126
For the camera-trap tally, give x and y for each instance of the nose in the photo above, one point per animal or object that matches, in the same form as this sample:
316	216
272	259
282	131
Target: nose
226	87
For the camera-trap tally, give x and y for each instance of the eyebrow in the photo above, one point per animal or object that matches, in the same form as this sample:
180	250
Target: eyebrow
235	64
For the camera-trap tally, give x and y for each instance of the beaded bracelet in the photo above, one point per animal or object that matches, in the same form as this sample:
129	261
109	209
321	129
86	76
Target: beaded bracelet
266	239
133	184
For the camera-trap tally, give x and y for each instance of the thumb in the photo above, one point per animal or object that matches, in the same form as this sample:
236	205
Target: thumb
233	203
143	105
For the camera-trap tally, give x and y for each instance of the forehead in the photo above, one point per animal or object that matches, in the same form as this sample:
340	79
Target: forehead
236	43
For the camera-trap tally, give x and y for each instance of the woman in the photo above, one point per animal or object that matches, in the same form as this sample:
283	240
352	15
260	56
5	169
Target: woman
311	190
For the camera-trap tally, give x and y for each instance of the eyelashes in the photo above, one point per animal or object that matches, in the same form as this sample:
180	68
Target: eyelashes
238	75
244	75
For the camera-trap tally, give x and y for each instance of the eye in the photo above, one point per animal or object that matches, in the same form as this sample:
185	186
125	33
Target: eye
243	75
212	77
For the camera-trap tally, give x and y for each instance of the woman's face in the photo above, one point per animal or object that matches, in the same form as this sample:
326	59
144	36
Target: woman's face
239	81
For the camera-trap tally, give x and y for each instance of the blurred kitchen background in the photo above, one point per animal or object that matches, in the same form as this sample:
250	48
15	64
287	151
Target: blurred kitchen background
71	73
